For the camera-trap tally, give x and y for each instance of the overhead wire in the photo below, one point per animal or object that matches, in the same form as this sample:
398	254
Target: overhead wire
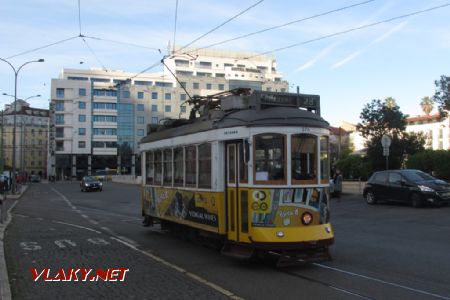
282	25
221	25
120	42
79	15
175	25
92	52
43	47
351	30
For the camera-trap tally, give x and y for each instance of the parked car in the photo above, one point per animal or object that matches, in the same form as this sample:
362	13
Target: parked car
90	183
411	186
35	178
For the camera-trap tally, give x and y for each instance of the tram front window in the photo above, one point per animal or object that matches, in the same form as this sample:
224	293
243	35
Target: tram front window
304	153
270	158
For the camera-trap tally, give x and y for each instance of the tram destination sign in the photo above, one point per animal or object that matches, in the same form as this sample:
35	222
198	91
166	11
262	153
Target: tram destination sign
290	99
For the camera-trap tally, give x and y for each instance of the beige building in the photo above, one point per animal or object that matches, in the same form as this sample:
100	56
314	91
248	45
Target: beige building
31	138
435	129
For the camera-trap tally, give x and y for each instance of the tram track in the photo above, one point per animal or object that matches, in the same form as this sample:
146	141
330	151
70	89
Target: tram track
353	292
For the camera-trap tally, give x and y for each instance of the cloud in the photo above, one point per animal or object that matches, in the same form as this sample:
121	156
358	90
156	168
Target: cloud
379	39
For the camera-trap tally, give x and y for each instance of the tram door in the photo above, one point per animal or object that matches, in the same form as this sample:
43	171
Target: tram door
237	195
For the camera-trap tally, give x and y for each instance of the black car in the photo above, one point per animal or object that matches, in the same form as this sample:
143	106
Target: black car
90	183
411	186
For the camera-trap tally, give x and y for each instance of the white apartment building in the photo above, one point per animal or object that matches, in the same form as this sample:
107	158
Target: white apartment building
435	129
98	116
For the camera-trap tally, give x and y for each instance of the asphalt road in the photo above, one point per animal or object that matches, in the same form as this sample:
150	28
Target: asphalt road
381	252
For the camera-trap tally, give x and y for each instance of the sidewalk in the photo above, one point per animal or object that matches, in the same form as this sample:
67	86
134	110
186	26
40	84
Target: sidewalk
5	218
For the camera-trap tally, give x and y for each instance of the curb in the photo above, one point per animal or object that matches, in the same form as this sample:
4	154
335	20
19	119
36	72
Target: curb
5	290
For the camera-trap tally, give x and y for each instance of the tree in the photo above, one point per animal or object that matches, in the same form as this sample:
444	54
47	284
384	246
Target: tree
442	94
427	104
378	119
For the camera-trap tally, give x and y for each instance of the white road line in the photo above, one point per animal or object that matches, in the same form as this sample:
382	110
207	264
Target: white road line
78	226
179	269
383	281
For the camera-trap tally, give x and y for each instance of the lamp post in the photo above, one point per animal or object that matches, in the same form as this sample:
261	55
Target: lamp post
16	73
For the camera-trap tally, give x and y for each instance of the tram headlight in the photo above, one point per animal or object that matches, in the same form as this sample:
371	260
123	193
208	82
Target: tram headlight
307	218
280	234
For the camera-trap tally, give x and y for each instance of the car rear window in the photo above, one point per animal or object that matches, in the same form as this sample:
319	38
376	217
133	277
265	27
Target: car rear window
380	177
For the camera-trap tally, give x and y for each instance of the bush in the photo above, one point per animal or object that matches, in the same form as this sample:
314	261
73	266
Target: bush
354	167
435	162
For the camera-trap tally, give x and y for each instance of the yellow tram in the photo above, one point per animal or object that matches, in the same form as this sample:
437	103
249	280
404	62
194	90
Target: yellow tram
250	169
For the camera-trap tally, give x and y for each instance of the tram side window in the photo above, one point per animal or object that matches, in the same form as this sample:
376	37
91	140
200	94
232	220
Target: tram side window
158	167
243	170
304	157
191	166
204	166
270	157
324	159
149	167
167	167
178	167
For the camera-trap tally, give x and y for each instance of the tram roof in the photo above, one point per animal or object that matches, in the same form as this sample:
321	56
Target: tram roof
273	116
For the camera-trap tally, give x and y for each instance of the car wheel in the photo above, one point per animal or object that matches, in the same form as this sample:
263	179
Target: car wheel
416	200
370	198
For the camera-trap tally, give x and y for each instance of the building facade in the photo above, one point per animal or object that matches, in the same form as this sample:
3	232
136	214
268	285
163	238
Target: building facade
435	129
99	116
31	138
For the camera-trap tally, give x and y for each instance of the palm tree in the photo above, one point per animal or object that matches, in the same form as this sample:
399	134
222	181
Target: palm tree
390	102
427	104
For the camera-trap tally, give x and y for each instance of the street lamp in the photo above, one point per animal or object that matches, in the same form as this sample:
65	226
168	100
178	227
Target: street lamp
16	73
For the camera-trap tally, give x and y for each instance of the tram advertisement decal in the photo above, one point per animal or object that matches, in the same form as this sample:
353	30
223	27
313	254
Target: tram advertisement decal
284	207
198	207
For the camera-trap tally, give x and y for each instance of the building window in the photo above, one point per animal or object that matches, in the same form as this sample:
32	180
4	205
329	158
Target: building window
154	95
196	85
59	119
60	92
59	106
81	118
126	94
81	131
183	109
183	84
168	96
221	87
182	97
154	120
81	144
140	107
59	132
81	92
168	108
140	95
208	86
105	131
81	105
140	120
154	107
140	132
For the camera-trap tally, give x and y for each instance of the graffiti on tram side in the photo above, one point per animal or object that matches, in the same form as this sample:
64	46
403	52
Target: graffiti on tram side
284	207
198	207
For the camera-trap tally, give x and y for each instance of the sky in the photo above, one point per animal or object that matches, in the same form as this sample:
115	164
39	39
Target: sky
325	55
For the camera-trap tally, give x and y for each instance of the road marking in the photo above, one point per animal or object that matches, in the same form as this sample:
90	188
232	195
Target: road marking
60	243
98	241
78	226
179	269
383	281
30	246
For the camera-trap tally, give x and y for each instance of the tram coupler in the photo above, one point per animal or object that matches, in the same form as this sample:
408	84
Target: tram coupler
148	221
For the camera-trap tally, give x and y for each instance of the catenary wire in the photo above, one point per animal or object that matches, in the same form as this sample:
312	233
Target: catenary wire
43	47
222	24
120	42
282	25
93	53
79	15
351	30
175	25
